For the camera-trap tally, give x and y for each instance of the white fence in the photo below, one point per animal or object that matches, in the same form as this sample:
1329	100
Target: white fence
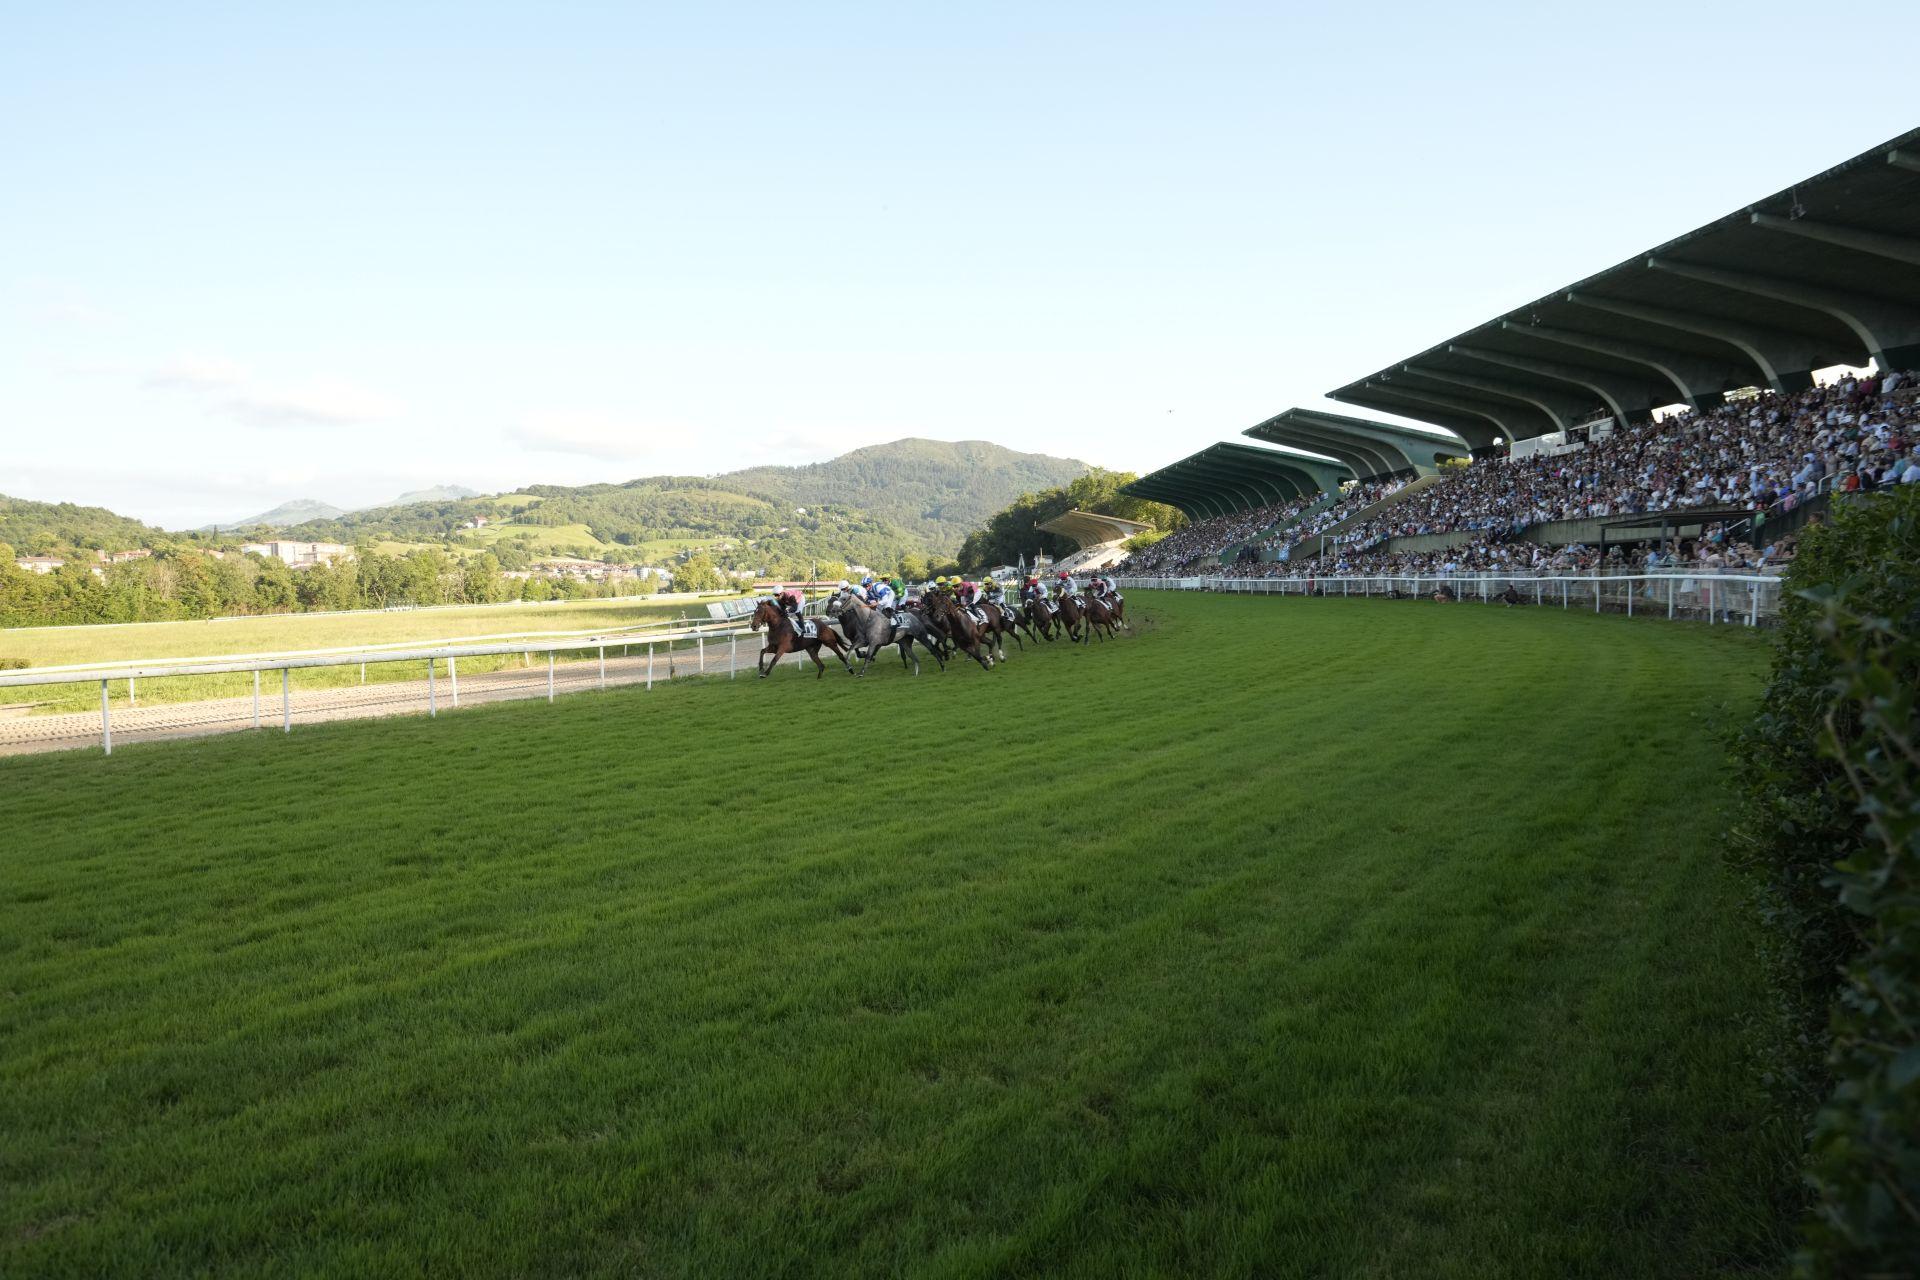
1735	598
691	642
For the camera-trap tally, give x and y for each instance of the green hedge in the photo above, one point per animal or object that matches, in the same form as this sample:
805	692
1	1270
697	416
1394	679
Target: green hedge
1831	843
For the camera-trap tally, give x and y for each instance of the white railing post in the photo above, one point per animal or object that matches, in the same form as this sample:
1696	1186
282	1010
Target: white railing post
132	701
1710	602
286	700
1631	592
700	643
603	666
433	708
256	697
106	721
733	655
1596	591
649	667
453	678
1753	604
549	675
1670	600
363	673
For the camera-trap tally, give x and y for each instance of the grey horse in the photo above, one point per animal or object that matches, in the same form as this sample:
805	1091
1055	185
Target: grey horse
870	631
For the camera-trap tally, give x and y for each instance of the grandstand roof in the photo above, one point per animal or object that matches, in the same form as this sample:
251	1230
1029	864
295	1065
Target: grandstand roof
1826	272
1091	529
1225	478
1368	448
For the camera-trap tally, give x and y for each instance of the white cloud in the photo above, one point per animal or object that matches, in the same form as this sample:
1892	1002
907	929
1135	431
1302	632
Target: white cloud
195	374
328	404
589	434
234	392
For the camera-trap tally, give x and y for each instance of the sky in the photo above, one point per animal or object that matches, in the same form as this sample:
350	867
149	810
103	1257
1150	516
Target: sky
256	253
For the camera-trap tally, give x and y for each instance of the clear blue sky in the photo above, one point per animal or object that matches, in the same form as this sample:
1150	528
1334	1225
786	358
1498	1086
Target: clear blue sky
252	253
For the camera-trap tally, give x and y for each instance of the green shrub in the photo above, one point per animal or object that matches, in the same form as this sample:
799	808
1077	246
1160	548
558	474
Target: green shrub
1831	843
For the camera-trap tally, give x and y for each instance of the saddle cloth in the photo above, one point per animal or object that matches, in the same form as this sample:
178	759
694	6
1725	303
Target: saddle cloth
809	630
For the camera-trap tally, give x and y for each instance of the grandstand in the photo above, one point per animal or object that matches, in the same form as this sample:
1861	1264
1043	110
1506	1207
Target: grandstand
1100	538
1680	379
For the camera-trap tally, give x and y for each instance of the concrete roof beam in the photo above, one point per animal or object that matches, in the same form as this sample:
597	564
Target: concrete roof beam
1625	396
1879	244
1884	328
1479	429
1776	355
1561	410
1696	380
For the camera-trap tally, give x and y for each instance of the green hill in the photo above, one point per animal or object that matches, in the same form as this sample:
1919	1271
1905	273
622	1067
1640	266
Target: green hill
871	506
30	527
939	489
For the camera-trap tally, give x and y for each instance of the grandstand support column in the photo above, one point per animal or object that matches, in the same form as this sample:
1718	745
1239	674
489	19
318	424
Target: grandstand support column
1785	361
1563	411
1879	244
1698	381
1882	327
1609	387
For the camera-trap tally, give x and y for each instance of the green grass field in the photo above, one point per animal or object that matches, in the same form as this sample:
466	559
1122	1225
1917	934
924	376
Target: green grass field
296	632
1284	938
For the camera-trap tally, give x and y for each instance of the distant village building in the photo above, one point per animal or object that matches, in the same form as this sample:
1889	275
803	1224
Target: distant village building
300	555
138	553
478	522
39	564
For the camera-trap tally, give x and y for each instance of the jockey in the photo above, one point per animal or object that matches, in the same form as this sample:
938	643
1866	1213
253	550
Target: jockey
1064	585
791	602
991	591
1103	587
1033	592
879	594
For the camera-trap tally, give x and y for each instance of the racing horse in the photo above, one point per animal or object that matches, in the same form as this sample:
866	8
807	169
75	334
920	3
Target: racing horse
1100	617
958	626
871	631
1071	616
1037	617
783	640
1001	623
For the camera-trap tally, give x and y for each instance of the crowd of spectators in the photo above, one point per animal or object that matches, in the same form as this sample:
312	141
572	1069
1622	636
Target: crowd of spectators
1208	538
1353	500
1770	451
1763	455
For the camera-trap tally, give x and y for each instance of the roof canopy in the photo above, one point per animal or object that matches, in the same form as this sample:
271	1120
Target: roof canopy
1368	449
1225	478
1826	272
1091	529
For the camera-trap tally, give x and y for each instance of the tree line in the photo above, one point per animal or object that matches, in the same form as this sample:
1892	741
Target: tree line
187	583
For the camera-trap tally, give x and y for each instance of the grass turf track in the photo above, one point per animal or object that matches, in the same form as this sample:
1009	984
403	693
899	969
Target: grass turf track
1287	937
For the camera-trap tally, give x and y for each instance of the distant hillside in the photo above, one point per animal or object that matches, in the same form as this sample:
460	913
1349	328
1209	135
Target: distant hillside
29	527
299	511
303	510
439	493
872	505
941	490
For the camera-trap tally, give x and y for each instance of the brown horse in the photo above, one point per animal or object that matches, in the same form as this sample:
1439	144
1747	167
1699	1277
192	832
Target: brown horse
1037	618
958	626
782	640
1071	617
1001	623
1100	618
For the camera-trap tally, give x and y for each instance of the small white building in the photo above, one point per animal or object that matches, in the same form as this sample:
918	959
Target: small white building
39	564
300	555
